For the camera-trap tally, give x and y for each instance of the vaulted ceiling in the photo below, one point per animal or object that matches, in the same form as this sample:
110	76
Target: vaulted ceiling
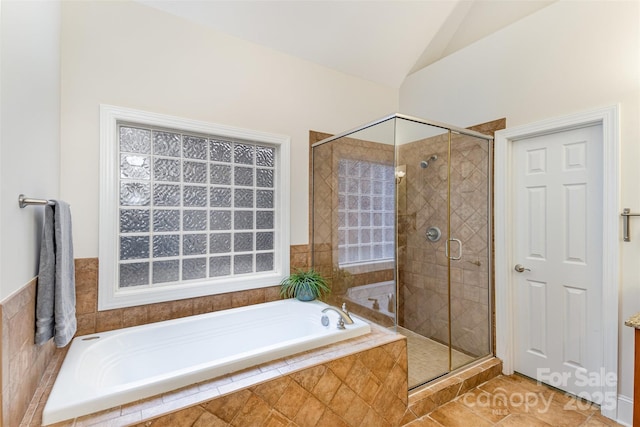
378	40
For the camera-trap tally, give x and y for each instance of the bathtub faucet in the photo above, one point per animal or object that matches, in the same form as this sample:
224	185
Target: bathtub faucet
344	317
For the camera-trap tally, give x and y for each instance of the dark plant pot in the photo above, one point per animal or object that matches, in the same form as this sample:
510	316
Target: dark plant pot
305	295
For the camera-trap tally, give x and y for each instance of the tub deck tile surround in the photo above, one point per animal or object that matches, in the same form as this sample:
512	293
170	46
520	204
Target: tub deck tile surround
23	363
316	375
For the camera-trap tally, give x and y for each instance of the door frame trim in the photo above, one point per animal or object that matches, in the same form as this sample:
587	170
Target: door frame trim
608	118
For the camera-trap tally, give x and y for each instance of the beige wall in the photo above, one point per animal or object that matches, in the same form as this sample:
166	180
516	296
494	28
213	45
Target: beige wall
129	55
566	58
29	131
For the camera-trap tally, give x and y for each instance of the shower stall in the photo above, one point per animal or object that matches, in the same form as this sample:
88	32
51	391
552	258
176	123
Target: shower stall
401	227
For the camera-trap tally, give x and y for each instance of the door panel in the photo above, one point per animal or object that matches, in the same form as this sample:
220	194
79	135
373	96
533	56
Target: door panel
575	327
537	239
576	223
558	238
534	302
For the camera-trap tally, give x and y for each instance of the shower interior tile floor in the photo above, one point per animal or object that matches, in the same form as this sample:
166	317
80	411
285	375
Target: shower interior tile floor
429	359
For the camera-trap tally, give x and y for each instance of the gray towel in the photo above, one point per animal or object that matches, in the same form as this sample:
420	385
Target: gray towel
56	291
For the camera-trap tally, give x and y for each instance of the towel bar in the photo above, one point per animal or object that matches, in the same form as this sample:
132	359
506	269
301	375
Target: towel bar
626	213
24	201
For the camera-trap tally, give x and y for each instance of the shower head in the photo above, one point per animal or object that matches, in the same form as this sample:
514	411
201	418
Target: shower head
425	163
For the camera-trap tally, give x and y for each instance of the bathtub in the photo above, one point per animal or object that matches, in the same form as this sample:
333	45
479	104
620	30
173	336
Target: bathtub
379	291
112	368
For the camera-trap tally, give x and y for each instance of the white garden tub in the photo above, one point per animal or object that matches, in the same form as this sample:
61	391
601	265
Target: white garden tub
112	368
380	292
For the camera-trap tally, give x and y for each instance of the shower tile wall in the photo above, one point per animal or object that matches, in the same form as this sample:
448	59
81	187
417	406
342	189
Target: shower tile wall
423	264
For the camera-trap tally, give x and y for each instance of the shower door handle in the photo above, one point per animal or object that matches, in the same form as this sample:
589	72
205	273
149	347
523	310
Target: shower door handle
446	249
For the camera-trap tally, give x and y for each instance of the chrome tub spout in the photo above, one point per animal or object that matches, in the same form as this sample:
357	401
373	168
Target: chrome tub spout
344	317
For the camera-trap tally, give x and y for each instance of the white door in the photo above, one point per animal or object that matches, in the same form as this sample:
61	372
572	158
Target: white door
557	243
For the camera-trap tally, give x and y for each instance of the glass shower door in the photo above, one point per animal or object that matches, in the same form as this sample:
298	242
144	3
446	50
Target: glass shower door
470	243
443	248
422	152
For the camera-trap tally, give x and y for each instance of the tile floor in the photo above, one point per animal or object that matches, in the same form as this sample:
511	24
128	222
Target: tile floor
509	401
429	359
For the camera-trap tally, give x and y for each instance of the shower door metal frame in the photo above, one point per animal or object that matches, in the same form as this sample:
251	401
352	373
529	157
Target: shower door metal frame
490	284
405	117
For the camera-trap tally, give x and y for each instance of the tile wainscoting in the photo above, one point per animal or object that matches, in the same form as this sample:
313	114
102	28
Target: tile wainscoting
24	363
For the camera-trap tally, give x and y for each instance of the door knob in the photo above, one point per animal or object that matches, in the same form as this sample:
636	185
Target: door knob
521	268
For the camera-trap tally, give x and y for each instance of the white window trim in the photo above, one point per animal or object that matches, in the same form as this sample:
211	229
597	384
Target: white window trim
110	296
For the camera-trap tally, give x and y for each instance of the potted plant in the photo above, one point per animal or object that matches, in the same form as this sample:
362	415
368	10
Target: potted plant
304	285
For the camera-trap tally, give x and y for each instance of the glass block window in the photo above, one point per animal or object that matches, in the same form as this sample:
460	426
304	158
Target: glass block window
193	207
366	211
188	208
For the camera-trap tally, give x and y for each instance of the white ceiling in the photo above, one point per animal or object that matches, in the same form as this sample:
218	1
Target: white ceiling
378	40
